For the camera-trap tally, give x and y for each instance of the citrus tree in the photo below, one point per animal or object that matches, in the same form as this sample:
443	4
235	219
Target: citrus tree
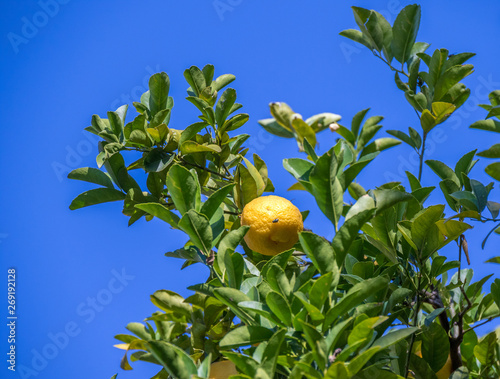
377	301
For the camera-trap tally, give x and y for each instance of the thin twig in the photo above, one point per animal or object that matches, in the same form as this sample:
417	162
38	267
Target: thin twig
390	66
232	213
481	324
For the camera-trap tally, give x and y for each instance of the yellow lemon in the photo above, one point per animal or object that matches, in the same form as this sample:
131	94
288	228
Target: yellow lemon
222	370
445	371
274	224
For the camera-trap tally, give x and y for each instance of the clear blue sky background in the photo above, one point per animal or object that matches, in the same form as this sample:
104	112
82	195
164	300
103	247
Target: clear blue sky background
87	57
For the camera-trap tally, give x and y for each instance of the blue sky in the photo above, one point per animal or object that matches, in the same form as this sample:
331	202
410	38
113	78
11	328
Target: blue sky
82	276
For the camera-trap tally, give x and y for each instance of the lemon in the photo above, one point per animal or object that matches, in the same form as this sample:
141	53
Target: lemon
274	224
222	370
445	371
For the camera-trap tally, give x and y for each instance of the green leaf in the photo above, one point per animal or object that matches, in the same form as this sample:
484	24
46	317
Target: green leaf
481	194
270	355
222	81
304	131
420	367
229	244
361	16
403	137
357	36
280	307
191	131
160	118
386	198
357	363
405	31
443	171
232	297
435	67
190	253
381	33
314	313
224	105
356	121
184	188
255	174
235	122
435	346
466	199
368	131
322	121
197	227
96	196
449	78
208	73
493	260
326	187
196	79
246	188
363	331
485	350
280	259
493	170
273	127
380	144
234	268
91	175
320	289
355	296
394	337
300	169
319	251
309	149
317	343
423	223
190	147
338	370
171	302
211	205
283	114
492	152
415	137
465	164
160	211
159	85
427	120
460	373
175	361
116	123
157	160
348	232
115	166
488	125
495	291
442	111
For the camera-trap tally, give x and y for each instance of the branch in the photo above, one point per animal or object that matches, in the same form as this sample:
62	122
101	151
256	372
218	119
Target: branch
415	322
422	157
204	168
